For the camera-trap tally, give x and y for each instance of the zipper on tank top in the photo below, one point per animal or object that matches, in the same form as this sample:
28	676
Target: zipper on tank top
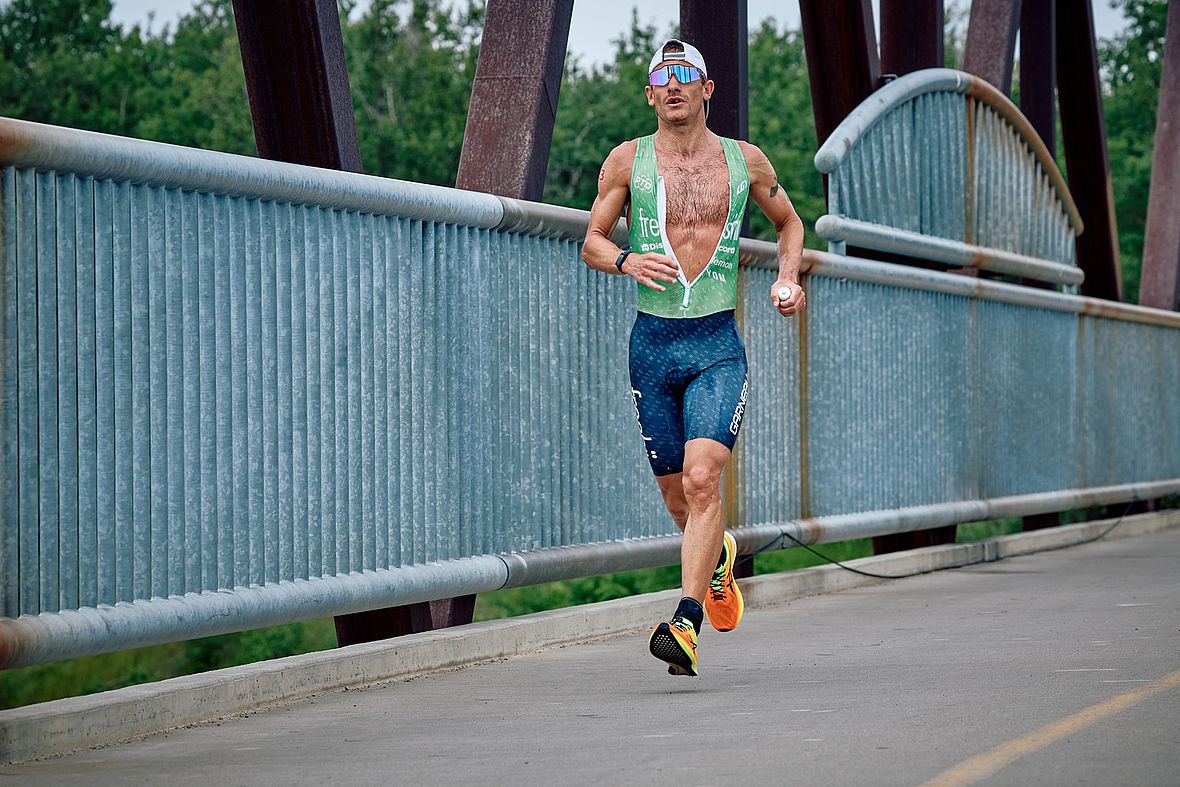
662	220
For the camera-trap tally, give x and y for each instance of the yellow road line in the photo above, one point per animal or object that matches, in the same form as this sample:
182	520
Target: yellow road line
985	765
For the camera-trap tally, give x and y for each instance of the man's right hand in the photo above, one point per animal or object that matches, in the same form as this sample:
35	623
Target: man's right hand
650	269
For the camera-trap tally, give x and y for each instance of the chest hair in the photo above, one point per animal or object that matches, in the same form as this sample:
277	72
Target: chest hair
698	191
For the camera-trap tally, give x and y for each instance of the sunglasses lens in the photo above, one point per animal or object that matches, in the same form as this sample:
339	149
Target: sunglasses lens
683	74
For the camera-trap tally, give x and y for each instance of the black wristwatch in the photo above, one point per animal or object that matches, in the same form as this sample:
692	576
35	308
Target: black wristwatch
622	256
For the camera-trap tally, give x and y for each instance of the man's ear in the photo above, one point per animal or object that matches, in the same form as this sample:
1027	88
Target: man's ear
651	95
708	89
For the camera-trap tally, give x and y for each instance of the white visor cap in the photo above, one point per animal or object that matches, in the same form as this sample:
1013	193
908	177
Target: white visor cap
690	55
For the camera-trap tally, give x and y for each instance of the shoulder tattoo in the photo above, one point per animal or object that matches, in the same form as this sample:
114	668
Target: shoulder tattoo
774	190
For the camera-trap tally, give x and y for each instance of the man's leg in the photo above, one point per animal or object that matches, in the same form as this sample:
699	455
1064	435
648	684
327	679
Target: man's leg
709	413
696	509
672	488
704	460
714	403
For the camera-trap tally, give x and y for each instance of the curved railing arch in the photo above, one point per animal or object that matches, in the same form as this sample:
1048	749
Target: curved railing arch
941	161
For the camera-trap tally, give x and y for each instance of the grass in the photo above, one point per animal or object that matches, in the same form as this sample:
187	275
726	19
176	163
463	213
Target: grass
44	682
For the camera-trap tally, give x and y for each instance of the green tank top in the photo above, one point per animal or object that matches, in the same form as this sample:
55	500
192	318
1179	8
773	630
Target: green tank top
715	287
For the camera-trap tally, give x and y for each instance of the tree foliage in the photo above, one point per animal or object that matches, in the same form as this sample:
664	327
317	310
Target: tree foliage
1132	68
411	66
65	62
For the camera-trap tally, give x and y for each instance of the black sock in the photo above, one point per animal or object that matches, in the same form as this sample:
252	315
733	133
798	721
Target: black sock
691	610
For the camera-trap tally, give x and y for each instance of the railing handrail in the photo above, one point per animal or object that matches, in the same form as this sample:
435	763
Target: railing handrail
32	639
27	144
761	253
41	146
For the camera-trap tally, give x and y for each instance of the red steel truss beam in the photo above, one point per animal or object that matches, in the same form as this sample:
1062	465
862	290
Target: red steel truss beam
991	41
514	98
911	35
301	104
718	28
842	63
297	81
1038	68
1038	80
1083	133
1160	283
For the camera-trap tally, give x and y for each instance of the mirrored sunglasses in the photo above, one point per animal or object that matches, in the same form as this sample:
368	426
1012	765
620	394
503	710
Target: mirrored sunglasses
683	74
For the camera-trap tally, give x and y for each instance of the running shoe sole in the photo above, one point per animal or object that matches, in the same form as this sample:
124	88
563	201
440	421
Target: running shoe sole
666	647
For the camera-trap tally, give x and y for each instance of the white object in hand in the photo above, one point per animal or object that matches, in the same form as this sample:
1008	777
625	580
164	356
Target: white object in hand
784	293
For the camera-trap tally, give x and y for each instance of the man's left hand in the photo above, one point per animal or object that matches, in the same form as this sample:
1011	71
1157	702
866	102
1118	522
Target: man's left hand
794	303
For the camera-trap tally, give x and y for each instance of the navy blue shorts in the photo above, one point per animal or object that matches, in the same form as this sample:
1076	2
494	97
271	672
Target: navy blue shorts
688	377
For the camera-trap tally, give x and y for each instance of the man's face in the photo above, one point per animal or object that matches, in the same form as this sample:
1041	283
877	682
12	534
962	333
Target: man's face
677	103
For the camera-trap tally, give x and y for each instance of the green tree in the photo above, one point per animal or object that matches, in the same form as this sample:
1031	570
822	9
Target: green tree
782	124
411	77
196	93
1132	67
64	62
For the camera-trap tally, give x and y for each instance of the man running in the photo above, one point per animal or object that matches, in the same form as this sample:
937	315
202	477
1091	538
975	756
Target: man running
684	190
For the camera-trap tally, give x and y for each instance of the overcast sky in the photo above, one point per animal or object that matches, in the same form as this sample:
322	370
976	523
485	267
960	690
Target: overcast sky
596	22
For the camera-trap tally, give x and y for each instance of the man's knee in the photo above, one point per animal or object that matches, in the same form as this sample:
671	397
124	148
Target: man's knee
702	483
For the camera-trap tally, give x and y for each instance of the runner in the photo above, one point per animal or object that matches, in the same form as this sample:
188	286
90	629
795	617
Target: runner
684	190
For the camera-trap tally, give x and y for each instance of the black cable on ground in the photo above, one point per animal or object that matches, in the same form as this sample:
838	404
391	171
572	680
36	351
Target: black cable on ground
776	542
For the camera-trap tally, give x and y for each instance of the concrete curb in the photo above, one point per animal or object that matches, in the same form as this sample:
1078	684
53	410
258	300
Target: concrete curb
66	725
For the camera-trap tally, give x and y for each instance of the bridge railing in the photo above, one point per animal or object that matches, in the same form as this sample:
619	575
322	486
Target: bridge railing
942	166
237	393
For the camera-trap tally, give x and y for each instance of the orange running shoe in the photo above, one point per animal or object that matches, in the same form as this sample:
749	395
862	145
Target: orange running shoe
676	644
723	601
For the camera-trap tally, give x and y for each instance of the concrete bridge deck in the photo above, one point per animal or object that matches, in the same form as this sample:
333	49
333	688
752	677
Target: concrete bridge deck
1055	668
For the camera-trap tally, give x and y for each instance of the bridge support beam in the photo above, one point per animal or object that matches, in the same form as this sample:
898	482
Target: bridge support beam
841	47
1038	68
297	81
911	39
991	41
514	98
988	52
1160	283
509	129
1038	80
1083	133
718	28
911	35
1038	102
844	69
